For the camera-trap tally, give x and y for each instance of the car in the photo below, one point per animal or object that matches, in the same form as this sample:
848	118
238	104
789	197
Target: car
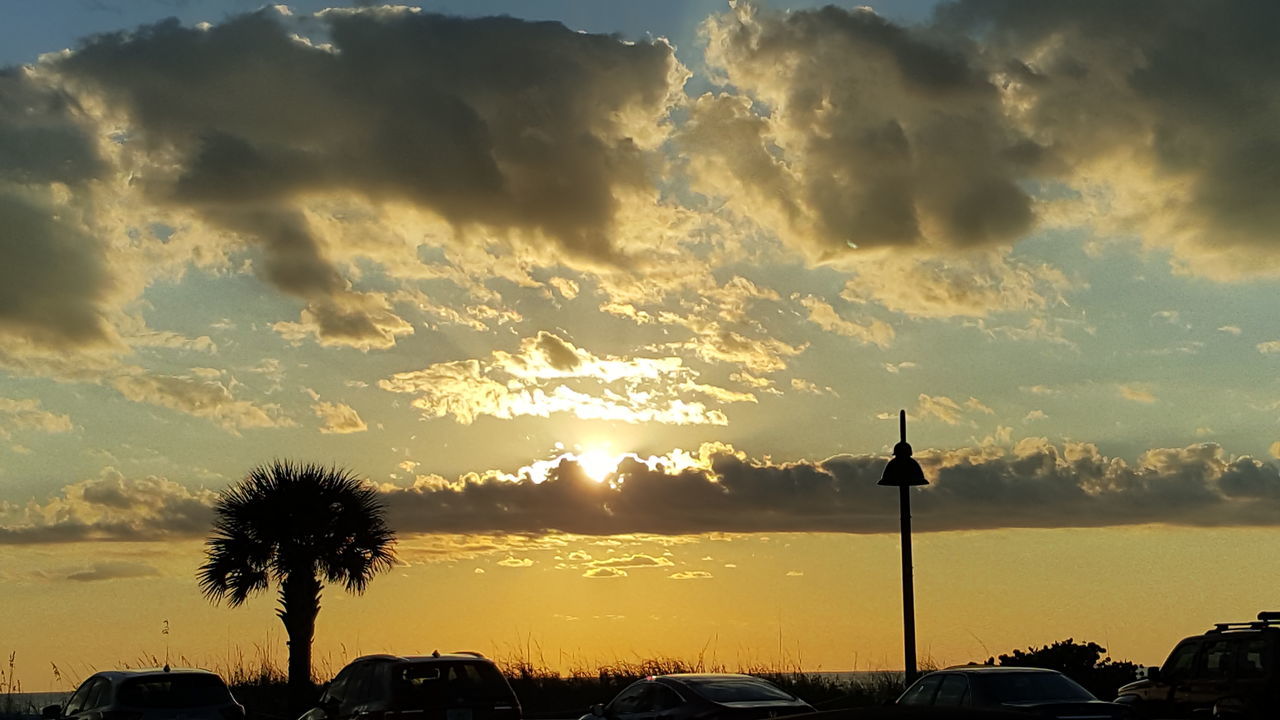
1231	670
159	694
452	686
700	696
1046	693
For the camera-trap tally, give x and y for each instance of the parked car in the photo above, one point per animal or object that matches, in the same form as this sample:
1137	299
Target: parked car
1047	693
1231	670
700	696
163	694
456	686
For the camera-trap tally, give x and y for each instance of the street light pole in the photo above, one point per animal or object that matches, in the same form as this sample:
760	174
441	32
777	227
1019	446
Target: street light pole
908	588
905	472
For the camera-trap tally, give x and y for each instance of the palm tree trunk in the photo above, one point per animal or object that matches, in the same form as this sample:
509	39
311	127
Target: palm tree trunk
299	605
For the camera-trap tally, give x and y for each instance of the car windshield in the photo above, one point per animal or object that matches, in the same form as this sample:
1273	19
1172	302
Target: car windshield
1030	687
441	683
174	690
723	690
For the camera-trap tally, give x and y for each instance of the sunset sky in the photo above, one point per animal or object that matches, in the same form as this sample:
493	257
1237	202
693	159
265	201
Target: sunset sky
617	305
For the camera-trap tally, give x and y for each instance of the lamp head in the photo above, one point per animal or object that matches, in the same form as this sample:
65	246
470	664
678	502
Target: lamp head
902	469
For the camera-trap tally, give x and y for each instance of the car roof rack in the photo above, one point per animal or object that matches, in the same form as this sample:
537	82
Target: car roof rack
1266	619
472	653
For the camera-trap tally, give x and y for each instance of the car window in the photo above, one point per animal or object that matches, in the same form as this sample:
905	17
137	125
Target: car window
174	690
360	684
440	683
76	703
1029	687
338	687
953	691
723	690
1216	661
1249	657
99	694
921	693
1181	660
664	698
629	700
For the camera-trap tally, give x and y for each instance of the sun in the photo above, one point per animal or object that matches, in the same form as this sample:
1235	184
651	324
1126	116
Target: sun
597	463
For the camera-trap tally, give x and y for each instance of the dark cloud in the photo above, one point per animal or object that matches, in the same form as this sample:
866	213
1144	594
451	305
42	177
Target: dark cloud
53	283
495	123
1180	91
111	507
872	135
43	138
1033	485
1146	117
1036	485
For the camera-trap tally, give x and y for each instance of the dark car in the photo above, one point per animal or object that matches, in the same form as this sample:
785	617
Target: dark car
162	694
699	696
1228	671
457	686
1046	693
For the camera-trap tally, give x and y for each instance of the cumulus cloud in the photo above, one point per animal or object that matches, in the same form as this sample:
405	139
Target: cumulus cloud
822	314
1137	394
549	375
1271	347
27	414
1154	139
875	136
631	562
527	131
604	573
690	575
341	418
110	507
977	285
949	411
1031	483
849	135
209	399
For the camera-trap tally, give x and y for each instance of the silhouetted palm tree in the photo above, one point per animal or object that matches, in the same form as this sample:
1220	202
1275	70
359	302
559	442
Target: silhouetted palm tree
295	526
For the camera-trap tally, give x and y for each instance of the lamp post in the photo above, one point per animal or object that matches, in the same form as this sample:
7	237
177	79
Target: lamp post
905	472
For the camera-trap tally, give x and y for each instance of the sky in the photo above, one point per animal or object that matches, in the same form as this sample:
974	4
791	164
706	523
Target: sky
616	305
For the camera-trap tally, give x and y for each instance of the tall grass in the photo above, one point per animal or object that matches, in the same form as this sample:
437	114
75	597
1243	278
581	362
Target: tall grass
258	679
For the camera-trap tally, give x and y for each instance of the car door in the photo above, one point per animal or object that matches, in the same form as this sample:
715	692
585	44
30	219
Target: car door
1210	677
922	692
334	696
630	704
665	702
360	691
1249	681
98	695
1175	674
953	691
76	702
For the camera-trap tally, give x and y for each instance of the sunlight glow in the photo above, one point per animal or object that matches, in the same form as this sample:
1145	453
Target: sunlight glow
601	464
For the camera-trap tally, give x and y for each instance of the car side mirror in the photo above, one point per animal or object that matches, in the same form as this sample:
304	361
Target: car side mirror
330	707
1153	674
598	710
51	712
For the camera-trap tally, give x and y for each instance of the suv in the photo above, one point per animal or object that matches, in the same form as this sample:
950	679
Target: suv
164	694
1229	671
456	686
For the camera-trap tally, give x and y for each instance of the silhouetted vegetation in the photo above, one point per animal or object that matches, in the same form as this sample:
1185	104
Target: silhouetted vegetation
1086	663
295	526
